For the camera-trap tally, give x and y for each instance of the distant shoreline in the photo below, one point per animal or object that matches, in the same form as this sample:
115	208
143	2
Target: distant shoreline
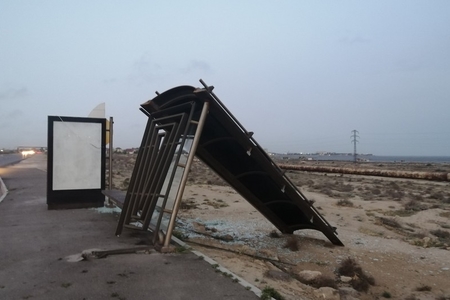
365	158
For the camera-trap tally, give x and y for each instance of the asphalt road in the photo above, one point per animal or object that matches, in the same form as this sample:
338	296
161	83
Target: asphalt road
8	159
35	244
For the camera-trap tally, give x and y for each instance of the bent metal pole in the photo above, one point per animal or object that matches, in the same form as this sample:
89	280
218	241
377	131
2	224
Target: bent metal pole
198	133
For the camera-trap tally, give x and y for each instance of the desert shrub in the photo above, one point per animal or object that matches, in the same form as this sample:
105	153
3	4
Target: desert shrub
180	235
324	281
125	183
394	185
446	199
442	234
362	281
343	188
185	205
433	206
423	288
445	214
345	202
394	194
400	213
376	191
414	205
389	222
327	191
415	197
291	243
419	235
277	275
274	234
386	295
438	196
269	292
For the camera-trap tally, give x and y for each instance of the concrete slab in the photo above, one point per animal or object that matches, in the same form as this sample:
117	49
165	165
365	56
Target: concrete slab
35	242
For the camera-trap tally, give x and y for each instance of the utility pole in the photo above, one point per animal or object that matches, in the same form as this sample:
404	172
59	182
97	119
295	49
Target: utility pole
354	137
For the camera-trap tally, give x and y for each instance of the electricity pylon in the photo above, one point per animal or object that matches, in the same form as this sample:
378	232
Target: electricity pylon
354	137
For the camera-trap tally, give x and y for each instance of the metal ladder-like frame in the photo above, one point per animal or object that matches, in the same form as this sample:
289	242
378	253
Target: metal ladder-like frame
157	163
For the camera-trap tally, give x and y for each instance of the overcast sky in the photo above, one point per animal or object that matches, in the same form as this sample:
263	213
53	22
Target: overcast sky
300	74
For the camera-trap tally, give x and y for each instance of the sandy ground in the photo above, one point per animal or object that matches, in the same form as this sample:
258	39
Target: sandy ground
397	230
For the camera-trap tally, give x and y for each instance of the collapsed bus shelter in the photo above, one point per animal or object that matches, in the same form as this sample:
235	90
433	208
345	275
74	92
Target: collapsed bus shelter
184	122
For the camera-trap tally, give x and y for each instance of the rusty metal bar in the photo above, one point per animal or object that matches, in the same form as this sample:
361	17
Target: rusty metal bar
110	183
434	176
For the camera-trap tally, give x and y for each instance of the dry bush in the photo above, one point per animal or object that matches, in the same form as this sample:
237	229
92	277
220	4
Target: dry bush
389	222
376	191
324	281
274	234
269	293
394	194
446	200
326	191
345	202
394	185
345	188
277	275
125	184
438	196
361	281
416	197
445	214
291	243
423	288
414	205
441	234
185	205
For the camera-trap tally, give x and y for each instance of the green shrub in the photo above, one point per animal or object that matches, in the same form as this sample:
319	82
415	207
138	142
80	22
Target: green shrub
269	292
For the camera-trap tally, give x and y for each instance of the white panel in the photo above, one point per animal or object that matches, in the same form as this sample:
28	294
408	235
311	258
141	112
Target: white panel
77	156
98	111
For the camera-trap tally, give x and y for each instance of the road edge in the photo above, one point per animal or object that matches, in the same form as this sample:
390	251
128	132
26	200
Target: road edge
3	190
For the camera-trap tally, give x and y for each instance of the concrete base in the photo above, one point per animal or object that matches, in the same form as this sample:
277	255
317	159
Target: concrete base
75	205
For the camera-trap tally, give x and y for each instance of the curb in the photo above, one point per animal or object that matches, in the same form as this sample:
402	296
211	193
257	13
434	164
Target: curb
225	271
3	190
219	268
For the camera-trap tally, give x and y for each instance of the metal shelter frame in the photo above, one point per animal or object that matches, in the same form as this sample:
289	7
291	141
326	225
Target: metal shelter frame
185	122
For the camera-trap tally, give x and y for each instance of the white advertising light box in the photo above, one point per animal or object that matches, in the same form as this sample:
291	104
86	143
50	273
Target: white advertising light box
76	162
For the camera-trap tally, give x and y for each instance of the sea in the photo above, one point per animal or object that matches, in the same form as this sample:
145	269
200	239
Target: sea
367	158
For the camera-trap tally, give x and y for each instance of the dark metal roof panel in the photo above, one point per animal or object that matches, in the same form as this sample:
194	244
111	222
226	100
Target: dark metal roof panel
229	149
